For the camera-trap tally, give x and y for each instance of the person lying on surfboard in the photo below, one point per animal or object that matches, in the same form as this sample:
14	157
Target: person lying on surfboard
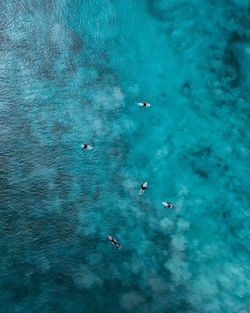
144	186
144	104
114	242
168	205
84	146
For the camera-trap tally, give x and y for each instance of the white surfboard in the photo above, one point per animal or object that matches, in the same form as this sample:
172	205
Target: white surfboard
165	204
145	185
142	104
87	148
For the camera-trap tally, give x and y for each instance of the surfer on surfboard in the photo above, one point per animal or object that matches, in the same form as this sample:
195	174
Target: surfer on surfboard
114	242
168	205
144	186
84	146
144	104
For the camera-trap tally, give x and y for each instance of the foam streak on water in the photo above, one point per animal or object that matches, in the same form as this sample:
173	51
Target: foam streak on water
72	72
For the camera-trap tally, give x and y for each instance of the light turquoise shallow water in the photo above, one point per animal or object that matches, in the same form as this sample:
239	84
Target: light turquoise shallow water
72	72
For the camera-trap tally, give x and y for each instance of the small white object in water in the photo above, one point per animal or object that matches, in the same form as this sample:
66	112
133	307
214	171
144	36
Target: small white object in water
168	205
84	146
114	242
144	104
144	186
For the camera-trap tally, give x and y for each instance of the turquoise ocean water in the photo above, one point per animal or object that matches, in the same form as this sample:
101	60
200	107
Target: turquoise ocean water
72	71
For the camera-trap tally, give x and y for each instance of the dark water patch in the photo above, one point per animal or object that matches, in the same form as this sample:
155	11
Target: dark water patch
161	239
200	161
40	190
206	163
4	183
61	128
95	59
226	214
63	182
231	74
228	66
236	37
162	10
200	172
46	71
77	43
184	306
156	10
186	89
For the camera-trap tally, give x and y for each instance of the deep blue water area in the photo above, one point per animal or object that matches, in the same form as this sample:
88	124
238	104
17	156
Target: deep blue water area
72	71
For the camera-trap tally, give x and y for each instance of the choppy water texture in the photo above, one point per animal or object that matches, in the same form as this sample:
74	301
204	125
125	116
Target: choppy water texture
71	72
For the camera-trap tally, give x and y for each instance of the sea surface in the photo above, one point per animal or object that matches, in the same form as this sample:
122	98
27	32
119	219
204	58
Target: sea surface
71	72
